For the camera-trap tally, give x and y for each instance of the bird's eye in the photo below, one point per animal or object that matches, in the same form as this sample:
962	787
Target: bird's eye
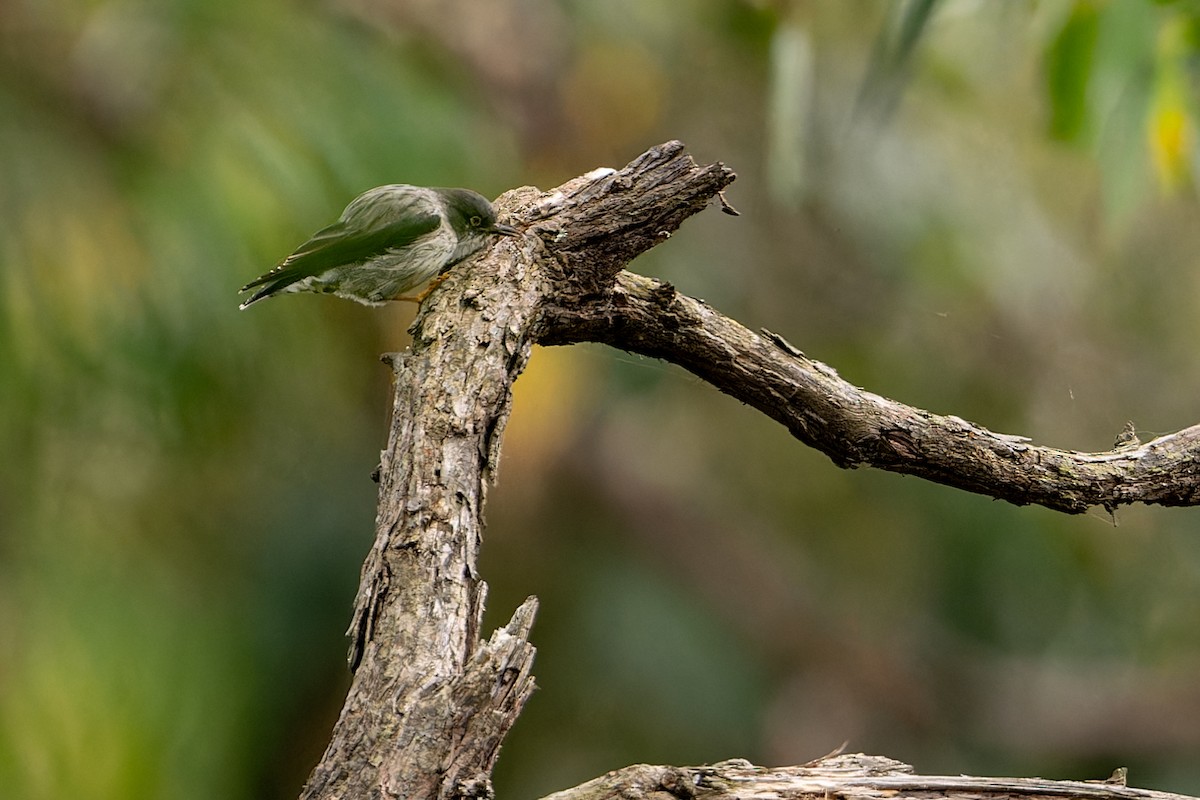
475	221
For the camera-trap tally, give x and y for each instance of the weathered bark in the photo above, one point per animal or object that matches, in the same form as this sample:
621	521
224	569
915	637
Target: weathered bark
846	777
855	427
430	703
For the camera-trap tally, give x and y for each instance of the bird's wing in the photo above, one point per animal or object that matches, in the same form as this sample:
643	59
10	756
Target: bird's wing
350	240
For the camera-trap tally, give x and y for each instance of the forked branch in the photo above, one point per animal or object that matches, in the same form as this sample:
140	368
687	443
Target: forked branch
431	702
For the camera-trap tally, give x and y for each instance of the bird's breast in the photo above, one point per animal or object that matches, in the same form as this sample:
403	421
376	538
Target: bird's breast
422	259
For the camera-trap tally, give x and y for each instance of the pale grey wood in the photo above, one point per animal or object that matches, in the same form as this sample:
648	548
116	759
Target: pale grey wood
846	777
856	427
430	702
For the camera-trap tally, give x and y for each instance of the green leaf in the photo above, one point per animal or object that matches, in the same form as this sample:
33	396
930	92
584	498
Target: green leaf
1068	69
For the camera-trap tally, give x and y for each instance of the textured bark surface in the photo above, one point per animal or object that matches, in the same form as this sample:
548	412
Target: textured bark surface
855	427
430	702
846	777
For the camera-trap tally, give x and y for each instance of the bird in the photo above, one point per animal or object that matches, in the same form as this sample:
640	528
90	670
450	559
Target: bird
388	241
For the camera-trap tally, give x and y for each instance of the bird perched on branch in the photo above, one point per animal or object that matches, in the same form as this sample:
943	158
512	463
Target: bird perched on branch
388	241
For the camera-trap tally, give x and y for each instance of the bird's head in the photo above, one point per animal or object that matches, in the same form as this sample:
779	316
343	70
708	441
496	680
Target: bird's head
471	215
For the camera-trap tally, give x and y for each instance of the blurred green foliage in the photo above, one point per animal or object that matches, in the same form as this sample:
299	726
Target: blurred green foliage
986	209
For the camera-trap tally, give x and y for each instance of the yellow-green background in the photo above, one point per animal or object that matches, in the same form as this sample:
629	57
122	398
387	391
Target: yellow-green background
982	208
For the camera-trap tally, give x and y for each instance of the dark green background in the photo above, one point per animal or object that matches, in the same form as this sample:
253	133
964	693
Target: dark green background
984	209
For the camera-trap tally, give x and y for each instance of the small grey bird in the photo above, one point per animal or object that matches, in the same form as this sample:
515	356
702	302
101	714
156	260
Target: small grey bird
389	240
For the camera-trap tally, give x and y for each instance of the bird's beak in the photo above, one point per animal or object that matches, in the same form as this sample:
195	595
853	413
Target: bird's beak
504	230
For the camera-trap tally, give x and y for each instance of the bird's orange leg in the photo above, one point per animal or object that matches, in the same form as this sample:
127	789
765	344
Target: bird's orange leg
436	282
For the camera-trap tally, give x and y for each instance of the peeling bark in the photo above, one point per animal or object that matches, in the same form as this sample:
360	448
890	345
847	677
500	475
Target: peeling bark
430	702
856	428
846	777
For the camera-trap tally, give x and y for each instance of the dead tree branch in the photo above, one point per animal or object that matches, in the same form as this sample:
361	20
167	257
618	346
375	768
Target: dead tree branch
847	777
430	702
855	427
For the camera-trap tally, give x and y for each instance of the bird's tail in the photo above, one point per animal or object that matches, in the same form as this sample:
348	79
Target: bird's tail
273	282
